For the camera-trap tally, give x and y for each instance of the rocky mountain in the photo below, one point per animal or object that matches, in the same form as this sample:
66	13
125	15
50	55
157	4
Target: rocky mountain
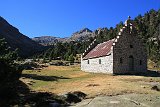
82	35
15	39
46	40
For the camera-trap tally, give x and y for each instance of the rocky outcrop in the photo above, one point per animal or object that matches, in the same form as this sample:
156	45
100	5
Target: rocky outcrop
15	39
81	35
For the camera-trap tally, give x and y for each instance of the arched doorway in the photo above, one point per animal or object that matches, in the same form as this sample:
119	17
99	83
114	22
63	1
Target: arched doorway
131	63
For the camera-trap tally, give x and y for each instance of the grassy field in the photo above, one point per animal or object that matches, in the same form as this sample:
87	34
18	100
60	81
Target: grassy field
63	79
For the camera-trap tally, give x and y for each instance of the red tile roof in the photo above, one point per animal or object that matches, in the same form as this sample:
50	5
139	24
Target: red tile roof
100	50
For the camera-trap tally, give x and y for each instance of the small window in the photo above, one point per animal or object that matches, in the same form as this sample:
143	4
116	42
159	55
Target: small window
99	61
140	62
131	46
88	61
121	60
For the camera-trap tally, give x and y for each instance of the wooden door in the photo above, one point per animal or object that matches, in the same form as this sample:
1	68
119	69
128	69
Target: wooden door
131	63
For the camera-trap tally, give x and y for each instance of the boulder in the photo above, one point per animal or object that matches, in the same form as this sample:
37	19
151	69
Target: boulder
155	88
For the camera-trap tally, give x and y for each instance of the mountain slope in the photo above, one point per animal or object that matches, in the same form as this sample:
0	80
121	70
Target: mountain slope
46	40
82	35
15	39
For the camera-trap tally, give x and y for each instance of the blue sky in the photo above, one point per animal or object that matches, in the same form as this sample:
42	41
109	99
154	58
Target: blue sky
63	17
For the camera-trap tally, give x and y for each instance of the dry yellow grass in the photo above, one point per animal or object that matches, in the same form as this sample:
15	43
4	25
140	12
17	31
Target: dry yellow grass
89	83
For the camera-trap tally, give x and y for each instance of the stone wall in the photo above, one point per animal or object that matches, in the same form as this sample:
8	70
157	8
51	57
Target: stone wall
127	45
106	65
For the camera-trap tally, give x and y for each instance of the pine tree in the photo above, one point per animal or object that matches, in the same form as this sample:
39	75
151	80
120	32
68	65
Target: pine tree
10	72
51	55
71	58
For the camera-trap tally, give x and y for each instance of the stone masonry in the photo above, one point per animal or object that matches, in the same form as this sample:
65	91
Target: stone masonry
93	65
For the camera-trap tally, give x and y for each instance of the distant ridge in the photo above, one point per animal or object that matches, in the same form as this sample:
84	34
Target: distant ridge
82	35
46	40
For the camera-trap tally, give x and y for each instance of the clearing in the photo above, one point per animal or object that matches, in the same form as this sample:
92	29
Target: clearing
63	79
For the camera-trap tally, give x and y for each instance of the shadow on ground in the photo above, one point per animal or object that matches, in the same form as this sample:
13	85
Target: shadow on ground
22	96
43	78
18	94
149	73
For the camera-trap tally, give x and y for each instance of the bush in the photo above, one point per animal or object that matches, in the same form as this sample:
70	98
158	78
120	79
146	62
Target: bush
30	65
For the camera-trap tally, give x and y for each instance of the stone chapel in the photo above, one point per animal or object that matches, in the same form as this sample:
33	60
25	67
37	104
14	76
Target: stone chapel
124	54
